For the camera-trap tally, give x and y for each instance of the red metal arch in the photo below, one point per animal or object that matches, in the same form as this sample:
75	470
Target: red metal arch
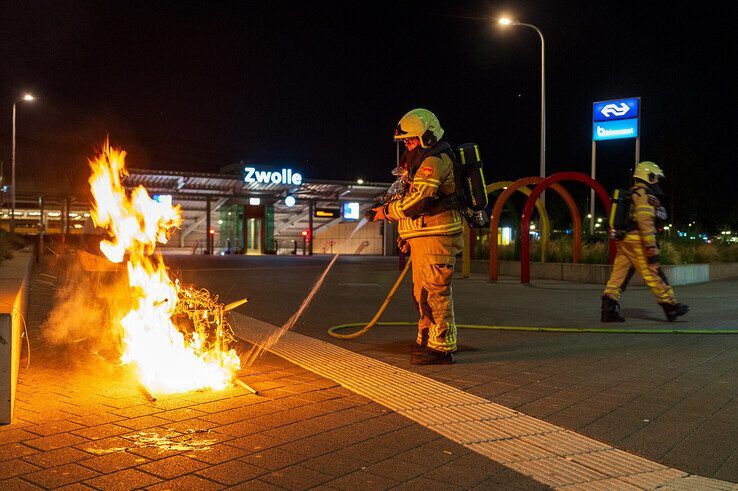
528	211
502	200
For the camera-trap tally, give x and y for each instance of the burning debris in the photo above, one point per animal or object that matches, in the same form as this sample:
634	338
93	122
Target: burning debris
176	338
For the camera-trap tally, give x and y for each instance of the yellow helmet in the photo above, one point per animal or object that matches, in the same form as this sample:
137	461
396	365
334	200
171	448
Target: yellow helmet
420	123
648	171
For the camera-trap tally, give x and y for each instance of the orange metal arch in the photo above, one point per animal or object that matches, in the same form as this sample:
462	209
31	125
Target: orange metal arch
551	181
495	221
542	213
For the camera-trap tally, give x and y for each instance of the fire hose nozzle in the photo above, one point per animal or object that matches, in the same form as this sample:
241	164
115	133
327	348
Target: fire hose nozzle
235	304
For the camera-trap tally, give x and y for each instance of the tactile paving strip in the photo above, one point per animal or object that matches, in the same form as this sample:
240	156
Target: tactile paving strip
549	454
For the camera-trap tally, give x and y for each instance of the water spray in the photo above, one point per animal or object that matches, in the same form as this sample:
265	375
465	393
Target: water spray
257	350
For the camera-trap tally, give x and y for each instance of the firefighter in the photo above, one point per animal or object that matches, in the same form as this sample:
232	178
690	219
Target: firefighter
638	250
431	227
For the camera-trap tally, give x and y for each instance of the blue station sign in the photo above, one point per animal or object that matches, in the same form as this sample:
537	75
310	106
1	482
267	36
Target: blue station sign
616	109
614	130
616	119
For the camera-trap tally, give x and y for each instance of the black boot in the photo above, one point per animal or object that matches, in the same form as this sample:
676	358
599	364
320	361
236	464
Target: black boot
418	349
432	357
674	310
610	310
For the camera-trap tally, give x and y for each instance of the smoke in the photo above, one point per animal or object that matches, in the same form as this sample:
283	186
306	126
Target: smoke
88	305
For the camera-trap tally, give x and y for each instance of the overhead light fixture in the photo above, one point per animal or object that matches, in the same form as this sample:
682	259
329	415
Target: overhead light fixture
254	201
290	201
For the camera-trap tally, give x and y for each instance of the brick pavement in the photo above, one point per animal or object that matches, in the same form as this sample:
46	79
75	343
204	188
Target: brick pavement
81	422
670	398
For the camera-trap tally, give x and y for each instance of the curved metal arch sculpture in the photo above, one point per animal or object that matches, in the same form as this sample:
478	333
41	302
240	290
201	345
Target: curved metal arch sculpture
521	186
550	182
540	207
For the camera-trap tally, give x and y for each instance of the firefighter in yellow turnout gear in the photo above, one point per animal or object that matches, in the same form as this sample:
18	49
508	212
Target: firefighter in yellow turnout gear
638	250
431	229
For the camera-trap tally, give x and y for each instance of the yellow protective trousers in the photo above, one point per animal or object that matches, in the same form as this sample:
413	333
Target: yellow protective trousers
433	258
631	256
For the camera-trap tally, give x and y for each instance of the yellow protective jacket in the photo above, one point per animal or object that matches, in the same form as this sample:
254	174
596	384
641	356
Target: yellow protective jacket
643	213
432	178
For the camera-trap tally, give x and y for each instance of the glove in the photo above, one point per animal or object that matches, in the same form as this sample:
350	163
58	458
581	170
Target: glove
652	254
378	214
403	245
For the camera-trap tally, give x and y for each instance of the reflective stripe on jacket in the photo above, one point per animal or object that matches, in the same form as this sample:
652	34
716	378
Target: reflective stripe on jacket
433	177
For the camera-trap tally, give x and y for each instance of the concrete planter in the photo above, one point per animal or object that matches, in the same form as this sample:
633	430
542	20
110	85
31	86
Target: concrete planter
14	277
679	274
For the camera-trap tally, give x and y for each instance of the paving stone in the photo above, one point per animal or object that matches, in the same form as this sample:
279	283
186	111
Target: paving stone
113	462
333	464
729	468
15	450
217	454
55	441
361	480
398	470
142	422
15	467
172	467
102	431
423	484
255	443
232	472
54	458
97	419
296	477
181	414
136	411
187	483
124	480
714	439
17	484
60	476
466	471
189	425
13	435
439	452
53	427
273	459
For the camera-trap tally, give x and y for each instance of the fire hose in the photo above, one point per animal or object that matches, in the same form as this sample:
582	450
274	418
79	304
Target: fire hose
364	328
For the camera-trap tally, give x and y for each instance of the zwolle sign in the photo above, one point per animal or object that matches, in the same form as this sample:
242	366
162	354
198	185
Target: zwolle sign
284	176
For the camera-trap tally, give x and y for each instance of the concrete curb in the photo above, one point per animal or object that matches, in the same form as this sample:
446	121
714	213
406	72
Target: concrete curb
14	278
678	274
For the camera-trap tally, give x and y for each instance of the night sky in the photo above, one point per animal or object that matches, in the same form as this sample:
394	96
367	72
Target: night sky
319	86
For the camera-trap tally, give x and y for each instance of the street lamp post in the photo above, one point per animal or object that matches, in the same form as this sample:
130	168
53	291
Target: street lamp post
509	22
26	98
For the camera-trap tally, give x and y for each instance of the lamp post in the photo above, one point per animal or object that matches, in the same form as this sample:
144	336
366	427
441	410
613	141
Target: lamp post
26	98
505	21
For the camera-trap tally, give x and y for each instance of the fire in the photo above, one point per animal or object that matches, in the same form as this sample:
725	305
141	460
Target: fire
166	358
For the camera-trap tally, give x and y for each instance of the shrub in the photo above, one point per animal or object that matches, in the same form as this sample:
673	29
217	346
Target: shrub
595	253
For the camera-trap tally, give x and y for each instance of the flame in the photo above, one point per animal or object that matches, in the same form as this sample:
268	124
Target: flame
166	359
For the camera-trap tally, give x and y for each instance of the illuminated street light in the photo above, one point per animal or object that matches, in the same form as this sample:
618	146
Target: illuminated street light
26	98
506	21
599	220
360	181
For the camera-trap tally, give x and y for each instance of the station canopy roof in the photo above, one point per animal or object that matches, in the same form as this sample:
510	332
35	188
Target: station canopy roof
191	190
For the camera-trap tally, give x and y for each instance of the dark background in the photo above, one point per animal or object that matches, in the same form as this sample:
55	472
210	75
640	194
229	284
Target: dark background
319	86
